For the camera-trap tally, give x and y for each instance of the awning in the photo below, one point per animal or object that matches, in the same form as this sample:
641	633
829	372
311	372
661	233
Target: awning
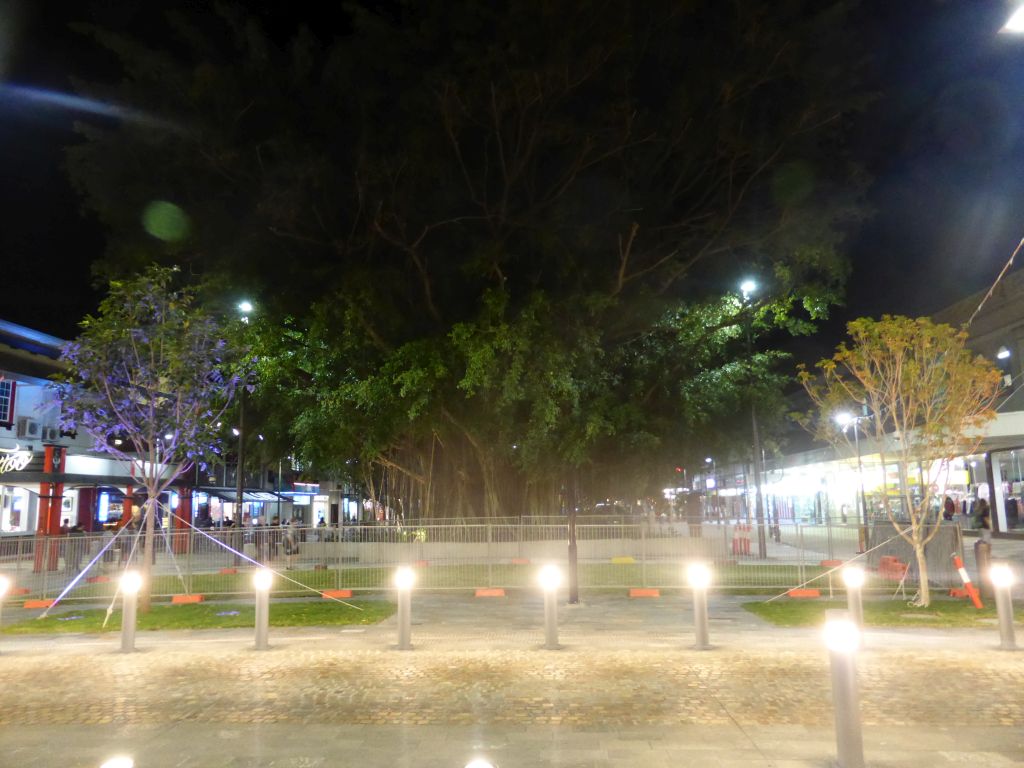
231	494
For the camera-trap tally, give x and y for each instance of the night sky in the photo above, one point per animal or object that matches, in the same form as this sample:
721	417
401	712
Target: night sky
942	142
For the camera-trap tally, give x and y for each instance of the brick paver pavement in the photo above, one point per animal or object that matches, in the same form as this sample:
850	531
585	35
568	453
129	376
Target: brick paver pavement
477	680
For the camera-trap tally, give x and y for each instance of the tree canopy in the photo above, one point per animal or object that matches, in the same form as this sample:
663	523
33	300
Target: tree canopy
495	243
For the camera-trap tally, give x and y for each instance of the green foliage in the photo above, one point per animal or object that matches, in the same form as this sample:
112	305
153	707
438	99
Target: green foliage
499	241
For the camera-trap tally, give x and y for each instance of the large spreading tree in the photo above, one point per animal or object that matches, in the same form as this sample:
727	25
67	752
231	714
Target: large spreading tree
497	245
926	397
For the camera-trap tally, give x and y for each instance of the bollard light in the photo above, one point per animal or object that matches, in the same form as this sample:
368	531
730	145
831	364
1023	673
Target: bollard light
1002	578
5	585
262	580
699	577
480	763
131	582
119	762
842	638
550	578
405	577
854	576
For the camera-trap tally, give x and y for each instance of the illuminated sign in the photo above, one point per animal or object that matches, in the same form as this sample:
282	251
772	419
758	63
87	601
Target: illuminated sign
14	459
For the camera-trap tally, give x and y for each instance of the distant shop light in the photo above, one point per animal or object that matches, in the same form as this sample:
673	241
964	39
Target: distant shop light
1003	353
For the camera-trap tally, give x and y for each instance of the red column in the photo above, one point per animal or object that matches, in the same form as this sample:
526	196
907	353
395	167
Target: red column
87	498
50	497
180	522
127	509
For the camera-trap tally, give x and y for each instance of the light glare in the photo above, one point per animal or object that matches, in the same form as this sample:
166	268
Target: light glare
5	584
131	582
748	287
1015	24
480	763
853	576
262	579
1001	575
245	307
119	762
841	635
698	575
405	578
843	418
550	577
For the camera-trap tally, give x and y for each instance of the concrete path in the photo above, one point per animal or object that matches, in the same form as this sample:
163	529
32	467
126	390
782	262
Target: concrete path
626	690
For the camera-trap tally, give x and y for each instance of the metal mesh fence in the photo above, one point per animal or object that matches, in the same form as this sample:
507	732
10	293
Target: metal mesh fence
505	554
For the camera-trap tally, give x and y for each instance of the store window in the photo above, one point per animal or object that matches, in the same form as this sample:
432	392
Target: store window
7	389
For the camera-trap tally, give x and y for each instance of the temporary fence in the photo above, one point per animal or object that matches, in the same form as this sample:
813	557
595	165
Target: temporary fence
503	554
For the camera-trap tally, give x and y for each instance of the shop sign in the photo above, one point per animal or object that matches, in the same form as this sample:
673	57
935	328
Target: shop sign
14	459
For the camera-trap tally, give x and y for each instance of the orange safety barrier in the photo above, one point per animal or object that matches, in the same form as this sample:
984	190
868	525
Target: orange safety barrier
490	593
972	591
329	593
228	571
520	561
637	592
38	603
421	563
804	594
185	599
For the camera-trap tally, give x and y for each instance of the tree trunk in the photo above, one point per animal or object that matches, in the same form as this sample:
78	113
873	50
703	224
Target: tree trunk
149	519
924	598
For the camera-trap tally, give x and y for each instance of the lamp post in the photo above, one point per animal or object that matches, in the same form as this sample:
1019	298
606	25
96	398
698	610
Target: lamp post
131	582
842	638
712	511
747	288
845	420
550	579
245	308
699	577
404	579
262	581
1002	581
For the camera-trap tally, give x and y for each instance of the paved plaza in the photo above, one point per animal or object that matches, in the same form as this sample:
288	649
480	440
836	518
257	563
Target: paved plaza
625	690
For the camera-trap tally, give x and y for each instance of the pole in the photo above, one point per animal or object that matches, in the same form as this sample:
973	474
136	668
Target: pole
129	611
239	472
574	582
863	498
700	618
762	544
551	620
842	639
404	619
262	619
1004	608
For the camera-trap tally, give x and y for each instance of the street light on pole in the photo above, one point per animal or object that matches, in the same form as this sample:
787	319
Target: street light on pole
845	420
712	485
747	288
245	308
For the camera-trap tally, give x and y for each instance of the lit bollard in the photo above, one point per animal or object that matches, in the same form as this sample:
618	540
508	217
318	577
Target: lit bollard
842	638
853	578
131	583
1002	583
480	763
699	577
119	762
550	579
404	579
262	581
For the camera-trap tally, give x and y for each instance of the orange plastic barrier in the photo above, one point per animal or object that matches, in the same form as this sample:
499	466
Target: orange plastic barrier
329	593
490	593
185	599
637	592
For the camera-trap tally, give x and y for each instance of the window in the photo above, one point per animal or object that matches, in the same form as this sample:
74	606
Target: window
6	403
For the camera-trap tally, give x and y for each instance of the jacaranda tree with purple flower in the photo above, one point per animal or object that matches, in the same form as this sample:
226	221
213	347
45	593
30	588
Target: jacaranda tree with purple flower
149	378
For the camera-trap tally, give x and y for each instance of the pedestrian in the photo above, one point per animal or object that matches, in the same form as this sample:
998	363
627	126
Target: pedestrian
984	515
948	509
290	543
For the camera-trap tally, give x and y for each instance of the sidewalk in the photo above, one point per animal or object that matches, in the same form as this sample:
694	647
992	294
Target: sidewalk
626	690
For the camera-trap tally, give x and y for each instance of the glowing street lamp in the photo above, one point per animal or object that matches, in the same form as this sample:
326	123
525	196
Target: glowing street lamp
480	763
131	583
119	762
842	638
1015	24
1002	579
262	581
405	577
845	420
550	579
699	577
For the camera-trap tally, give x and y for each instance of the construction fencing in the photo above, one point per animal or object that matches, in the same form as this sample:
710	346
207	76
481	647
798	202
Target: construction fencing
503	554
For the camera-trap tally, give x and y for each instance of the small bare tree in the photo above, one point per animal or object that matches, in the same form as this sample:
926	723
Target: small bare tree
926	398
149	378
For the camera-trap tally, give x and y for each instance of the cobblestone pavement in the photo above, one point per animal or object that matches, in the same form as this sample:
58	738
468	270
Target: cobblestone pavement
477	680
